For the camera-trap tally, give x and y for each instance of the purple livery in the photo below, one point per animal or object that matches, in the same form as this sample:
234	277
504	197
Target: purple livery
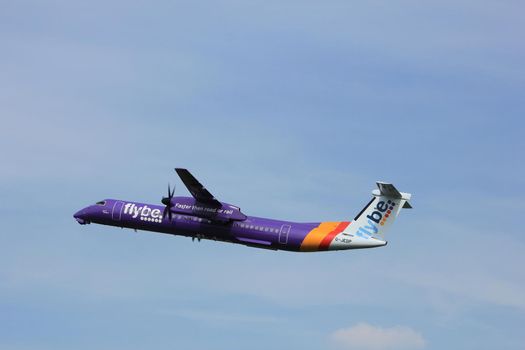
202	216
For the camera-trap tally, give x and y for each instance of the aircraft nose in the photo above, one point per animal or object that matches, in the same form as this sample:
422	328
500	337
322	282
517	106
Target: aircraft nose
80	216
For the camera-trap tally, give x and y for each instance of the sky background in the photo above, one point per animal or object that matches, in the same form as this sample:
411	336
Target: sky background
291	110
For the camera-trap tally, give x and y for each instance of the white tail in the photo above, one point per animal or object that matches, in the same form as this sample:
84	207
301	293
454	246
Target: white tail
377	216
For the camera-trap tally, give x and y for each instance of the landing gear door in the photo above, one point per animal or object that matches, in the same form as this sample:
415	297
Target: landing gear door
117	211
283	234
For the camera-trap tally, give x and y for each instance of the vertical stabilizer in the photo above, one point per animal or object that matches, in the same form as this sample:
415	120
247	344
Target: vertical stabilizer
369	226
377	217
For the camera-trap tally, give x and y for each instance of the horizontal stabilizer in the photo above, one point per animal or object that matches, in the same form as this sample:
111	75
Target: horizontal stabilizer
389	190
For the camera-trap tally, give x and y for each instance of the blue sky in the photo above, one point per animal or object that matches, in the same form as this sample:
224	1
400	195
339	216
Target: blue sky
289	109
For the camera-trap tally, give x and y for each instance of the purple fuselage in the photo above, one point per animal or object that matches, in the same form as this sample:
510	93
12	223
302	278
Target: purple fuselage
188	219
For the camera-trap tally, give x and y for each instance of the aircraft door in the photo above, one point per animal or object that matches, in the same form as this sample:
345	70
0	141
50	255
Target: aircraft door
283	234
117	210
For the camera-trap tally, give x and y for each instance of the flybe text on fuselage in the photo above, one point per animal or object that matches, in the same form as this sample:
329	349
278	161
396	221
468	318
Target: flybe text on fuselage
144	212
378	217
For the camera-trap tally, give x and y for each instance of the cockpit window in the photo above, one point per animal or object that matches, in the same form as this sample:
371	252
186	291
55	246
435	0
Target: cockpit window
101	203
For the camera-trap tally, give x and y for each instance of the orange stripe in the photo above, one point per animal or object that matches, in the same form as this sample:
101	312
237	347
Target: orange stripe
325	243
314	238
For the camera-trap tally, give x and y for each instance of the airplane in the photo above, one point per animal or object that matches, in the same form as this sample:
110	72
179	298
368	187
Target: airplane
202	216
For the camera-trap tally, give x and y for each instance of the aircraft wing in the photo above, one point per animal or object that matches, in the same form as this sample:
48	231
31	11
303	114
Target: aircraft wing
197	190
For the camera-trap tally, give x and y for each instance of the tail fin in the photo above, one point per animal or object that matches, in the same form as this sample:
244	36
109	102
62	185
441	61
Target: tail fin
377	216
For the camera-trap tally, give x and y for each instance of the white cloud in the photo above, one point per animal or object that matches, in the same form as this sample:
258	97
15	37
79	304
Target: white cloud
363	336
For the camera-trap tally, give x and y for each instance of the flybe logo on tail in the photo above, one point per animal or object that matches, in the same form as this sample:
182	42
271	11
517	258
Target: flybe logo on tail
378	217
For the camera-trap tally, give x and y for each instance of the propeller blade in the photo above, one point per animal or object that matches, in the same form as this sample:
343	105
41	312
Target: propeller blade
167	202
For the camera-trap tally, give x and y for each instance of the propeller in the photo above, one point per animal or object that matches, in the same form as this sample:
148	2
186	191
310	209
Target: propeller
167	202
